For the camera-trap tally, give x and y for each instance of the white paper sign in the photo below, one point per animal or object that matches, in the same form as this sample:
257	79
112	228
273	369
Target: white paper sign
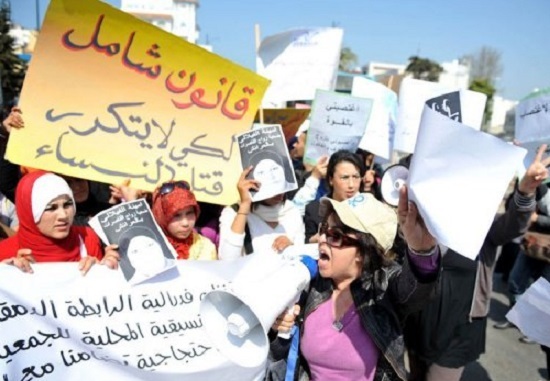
337	121
531	313
264	148
457	178
380	131
414	93
533	125
56	324
144	250
299	62
533	119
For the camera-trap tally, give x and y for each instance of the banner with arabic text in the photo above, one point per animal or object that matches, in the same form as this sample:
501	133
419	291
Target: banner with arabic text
532	121
56	324
109	97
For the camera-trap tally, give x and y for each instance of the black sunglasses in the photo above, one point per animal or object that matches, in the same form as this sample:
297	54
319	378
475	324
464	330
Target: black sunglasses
169	187
336	237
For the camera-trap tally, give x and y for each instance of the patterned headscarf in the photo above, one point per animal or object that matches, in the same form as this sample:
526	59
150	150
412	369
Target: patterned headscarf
166	206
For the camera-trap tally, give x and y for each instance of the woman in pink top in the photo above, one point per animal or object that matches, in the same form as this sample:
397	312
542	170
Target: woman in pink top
350	323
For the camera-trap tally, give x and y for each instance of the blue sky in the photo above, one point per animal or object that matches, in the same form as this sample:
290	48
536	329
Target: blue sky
383	30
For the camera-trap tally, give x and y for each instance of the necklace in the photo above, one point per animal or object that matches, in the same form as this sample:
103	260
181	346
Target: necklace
338	325
345	304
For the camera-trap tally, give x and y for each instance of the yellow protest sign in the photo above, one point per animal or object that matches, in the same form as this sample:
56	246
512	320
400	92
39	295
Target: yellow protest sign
109	97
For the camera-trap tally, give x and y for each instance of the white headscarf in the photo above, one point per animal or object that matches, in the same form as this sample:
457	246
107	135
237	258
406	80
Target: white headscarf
45	189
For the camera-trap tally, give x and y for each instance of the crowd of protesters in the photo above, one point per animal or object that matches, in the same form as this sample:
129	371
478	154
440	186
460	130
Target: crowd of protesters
385	287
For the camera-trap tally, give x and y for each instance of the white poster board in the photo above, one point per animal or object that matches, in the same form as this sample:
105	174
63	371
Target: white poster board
414	93
533	124
531	313
298	62
449	180
264	149
380	131
337	121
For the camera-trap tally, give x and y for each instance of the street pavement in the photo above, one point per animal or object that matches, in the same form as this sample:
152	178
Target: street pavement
506	358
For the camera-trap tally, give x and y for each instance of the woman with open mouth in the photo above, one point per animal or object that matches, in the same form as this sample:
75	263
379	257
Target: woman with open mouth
351	317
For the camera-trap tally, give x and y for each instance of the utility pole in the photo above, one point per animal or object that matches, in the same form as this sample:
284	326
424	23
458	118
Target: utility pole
37	2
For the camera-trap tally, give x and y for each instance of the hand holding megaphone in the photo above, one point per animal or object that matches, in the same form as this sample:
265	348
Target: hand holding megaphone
311	266
237	321
285	321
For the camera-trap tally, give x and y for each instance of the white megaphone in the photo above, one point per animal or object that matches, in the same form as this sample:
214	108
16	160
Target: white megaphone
237	321
393	179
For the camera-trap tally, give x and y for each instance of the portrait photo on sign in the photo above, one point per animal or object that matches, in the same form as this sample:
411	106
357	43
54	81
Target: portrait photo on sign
264	148
143	249
143	254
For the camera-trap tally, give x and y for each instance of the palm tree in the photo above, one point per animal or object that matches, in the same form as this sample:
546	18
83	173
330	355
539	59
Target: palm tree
348	59
423	68
12	68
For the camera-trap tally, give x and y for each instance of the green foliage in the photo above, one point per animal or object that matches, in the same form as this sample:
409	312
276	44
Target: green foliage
12	68
348	59
484	85
424	69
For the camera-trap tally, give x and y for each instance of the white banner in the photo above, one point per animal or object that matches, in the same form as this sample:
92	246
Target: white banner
414	93
298	62
380	131
56	324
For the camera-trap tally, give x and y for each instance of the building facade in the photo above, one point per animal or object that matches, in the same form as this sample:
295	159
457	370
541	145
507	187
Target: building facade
455	74
178	17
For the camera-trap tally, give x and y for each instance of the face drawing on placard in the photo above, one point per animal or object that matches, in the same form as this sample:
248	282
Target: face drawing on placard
270	173
146	256
141	255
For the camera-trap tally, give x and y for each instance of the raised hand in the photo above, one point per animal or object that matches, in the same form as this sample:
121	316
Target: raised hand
536	173
412	225
244	185
14	120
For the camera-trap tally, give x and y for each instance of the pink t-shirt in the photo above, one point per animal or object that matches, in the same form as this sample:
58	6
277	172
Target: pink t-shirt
346	355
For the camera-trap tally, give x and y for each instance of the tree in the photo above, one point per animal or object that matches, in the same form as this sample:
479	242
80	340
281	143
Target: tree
348	59
485	87
485	64
423	68
12	68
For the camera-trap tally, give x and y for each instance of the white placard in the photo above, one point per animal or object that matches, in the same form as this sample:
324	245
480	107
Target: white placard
531	313
457	178
264	149
337	121
380	131
533	119
298	62
414	93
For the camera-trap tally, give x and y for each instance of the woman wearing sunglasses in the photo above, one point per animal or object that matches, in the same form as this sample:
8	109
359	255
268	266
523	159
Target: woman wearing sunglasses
350	323
176	210
267	226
